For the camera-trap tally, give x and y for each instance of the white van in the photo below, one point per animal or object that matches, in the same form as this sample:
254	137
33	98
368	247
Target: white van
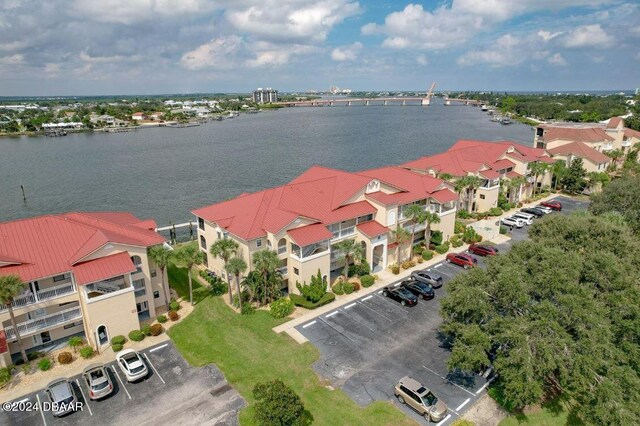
527	217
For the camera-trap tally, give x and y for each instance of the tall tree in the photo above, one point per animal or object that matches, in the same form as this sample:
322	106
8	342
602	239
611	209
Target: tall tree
400	236
236	267
620	196
10	287
514	185
574	179
459	186
615	155
225	249
350	251
266	262
190	255
417	215
431	218
558	170
537	168
473	183
161	256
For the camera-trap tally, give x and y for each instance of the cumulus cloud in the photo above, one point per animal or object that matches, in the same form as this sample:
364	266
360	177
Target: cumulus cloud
556	59
587	36
346	53
268	54
219	53
422	60
128	12
505	52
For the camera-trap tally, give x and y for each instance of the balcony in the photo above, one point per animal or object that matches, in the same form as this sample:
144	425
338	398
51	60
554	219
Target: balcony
283	271
41	296
140	289
104	287
282	249
607	147
48	321
626	142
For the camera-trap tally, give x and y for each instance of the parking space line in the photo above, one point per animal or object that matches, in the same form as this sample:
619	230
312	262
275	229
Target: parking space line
438	265
154	368
360	322
375	312
159	347
396	307
444	378
41	411
86	401
339	332
463	404
444	420
23	400
307	325
350	306
380	292
485	385
367	298
331	314
120	380
397	284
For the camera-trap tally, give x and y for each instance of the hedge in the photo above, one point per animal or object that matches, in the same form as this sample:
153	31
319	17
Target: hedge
117	347
65	358
367	280
136	335
115	340
282	308
427	255
301	301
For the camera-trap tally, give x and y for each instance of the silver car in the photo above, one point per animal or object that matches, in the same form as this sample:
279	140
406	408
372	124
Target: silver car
433	279
61	396
512	221
545	209
98	381
132	365
526	217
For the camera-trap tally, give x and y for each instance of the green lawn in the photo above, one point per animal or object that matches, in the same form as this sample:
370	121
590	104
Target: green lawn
177	275
553	413
248	351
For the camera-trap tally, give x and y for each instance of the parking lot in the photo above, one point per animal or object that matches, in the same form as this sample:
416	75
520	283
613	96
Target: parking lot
367	345
172	393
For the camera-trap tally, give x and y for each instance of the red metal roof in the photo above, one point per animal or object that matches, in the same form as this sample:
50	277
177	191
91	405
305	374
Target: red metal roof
580	149
614	121
444	196
372	228
103	268
513	174
490	174
577	134
45	246
502	164
310	234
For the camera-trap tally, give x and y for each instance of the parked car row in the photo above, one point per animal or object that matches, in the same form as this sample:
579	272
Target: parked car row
526	215
419	285
63	398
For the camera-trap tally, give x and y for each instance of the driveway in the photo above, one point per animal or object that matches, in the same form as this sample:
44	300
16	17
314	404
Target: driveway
369	344
172	393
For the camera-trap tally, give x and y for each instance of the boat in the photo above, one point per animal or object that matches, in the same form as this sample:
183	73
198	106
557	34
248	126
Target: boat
232	114
484	107
496	118
505	120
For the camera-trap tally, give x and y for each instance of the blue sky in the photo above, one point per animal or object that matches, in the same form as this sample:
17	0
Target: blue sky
82	47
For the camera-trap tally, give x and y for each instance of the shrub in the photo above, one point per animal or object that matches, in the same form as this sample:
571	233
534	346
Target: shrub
32	356
26	368
86	352
462	422
301	301
395	269
412	263
356	284
44	364
136	335
174	305
470	236
337	287
463	214
156	329
120	339
420	260
496	211
315	290
427	255
5	375
146	329
519	204
503	229
367	280
75	342
436	237
503	203
348	287
406	264
277	404
247	309
282	308
117	347
359	269
417	250
218	287
65	358
442	248
458	227
161	319
455	241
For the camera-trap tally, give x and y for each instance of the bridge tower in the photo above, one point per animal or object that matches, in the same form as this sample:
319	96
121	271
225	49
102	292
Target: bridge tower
426	101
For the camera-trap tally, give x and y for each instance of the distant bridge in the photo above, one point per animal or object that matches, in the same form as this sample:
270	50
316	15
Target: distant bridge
472	102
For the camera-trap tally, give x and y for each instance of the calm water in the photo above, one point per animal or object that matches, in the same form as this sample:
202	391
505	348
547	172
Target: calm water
164	173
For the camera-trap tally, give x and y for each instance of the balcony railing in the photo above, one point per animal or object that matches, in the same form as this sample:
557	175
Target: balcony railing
626	142
282	249
41	295
48	321
283	271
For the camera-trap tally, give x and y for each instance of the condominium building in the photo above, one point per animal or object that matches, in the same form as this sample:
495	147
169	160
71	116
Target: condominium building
489	162
304	220
85	274
265	96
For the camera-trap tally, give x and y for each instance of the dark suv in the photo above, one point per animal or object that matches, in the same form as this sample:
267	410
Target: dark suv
420	289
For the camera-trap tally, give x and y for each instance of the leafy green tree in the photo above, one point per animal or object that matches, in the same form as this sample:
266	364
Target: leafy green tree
615	155
236	267
315	290
277	405
417	216
621	196
10	287
161	255
350	251
267	263
508	104
574	178
541	312
190	255
400	236
537	168
558	171
224	249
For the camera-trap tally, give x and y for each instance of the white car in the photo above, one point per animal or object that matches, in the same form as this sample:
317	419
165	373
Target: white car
512	221
132	365
526	217
545	209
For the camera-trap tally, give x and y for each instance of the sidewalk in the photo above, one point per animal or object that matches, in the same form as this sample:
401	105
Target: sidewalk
386	278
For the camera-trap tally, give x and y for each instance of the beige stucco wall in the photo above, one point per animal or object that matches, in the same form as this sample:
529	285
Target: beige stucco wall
490	198
116	311
446	225
307	268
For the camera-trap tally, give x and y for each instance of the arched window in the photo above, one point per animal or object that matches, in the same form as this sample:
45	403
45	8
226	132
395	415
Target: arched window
282	246
203	242
137	260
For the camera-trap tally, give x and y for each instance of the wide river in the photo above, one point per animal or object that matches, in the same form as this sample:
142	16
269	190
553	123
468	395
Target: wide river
164	173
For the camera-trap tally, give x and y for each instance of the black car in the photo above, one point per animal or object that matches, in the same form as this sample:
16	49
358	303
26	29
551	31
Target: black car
533	211
430	278
419	289
400	294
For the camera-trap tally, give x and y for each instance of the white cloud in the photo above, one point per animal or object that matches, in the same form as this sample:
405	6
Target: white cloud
346	53
422	60
587	36
557	59
51	68
16	59
547	35
128	12
268	54
217	54
505	52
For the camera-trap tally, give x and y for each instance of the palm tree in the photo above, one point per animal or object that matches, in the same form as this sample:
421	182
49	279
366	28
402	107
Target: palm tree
444	176
236	266
558	169
417	215
349	251
459	186
430	219
615	155
473	183
400	236
514	185
161	255
537	169
190	255
224	249
10	287
266	262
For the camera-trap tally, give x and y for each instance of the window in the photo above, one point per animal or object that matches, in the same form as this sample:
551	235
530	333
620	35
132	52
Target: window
203	242
282	246
154	273
259	242
59	278
137	260
296	271
269	243
201	223
219	235
482	196
156	294
225	235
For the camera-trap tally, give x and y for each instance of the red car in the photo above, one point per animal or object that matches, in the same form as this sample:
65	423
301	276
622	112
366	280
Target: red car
462	259
483	250
553	205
